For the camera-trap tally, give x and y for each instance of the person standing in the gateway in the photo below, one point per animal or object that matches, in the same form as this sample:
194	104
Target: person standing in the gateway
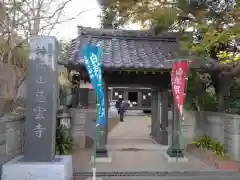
121	110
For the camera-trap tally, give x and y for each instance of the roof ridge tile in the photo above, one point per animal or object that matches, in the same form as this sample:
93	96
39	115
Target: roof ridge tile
121	33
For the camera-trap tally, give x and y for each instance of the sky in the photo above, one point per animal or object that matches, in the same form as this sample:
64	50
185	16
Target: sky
68	30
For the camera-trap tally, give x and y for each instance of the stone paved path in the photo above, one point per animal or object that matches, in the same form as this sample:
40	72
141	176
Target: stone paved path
132	149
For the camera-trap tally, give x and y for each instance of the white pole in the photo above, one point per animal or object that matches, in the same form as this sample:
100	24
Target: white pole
94	173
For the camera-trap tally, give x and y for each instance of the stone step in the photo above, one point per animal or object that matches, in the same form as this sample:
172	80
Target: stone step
164	175
149	147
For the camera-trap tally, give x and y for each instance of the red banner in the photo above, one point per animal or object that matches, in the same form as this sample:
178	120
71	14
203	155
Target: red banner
178	80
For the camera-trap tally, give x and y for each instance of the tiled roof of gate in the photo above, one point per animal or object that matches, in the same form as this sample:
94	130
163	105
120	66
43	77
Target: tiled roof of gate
127	49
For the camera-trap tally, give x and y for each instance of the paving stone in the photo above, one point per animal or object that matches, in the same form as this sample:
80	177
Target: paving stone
132	149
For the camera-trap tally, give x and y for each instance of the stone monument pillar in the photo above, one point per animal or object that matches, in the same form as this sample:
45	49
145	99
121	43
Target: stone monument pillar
39	160
41	108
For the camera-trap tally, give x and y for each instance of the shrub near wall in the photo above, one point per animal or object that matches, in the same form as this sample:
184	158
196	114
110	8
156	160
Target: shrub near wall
222	127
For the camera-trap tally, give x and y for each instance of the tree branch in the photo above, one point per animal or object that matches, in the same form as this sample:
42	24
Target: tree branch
233	71
53	25
65	20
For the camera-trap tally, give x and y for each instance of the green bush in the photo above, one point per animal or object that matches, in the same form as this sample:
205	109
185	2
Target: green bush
199	99
205	143
64	142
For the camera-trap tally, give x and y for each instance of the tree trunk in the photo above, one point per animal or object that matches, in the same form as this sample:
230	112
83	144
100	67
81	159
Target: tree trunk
222	84
225	82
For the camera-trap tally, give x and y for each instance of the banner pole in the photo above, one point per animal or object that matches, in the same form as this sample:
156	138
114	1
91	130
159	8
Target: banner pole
95	143
181	117
96	129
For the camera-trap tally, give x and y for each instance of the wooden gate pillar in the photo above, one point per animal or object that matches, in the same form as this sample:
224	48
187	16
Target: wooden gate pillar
174	150
155	126
125	95
164	117
140	97
101	147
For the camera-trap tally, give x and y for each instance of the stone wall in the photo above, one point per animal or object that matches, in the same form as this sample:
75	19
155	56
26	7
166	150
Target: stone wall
232	135
224	128
79	118
11	137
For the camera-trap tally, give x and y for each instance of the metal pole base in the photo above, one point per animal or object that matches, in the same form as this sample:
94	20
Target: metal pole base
103	152
175	152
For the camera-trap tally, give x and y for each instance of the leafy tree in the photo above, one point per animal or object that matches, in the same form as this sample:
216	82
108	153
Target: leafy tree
63	75
64	48
213	35
109	16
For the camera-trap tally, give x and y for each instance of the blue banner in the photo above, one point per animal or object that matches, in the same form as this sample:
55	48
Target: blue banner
93	67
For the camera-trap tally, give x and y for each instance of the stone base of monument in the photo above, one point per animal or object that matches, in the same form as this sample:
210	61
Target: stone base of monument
175	155
17	169
103	159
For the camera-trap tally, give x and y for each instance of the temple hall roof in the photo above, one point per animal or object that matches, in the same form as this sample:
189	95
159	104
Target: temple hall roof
126	49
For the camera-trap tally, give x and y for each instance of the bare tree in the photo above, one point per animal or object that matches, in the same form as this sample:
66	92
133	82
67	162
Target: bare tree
19	20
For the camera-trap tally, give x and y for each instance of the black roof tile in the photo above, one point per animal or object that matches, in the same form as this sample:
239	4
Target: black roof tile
127	49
